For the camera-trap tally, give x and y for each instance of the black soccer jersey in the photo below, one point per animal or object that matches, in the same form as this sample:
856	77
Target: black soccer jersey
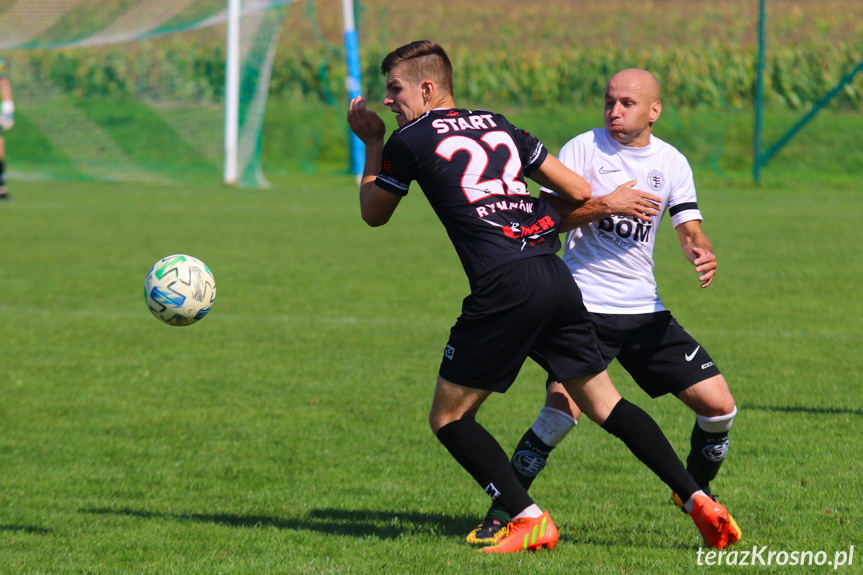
471	165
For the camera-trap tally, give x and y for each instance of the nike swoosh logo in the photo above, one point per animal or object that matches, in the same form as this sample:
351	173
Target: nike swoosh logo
691	356
604	170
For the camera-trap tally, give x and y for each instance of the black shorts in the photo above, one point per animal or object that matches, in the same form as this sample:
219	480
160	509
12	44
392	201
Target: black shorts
526	308
656	351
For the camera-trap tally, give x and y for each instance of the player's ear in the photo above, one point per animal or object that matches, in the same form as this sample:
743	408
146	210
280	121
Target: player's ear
428	89
655	111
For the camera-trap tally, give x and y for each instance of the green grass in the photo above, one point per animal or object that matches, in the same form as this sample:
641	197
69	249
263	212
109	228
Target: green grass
286	432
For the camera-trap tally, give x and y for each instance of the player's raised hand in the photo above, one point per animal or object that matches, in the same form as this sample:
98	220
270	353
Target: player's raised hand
625	200
705	264
367	125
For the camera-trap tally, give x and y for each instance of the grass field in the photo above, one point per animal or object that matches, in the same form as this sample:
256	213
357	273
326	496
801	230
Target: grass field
286	433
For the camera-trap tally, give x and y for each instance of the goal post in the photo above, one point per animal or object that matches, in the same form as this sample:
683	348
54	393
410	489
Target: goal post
232	92
353	81
110	90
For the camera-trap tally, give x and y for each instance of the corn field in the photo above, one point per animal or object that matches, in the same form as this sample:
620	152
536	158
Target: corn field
558	51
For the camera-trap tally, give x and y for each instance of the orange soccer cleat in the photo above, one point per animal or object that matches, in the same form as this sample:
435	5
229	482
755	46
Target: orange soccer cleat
717	527
489	532
527	534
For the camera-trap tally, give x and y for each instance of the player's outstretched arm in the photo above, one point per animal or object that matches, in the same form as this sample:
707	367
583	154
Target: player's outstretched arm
625	200
376	205
698	250
554	175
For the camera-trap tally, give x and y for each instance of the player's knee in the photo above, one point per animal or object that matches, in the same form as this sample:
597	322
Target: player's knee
557	398
439	418
436	421
709	398
728	406
719	407
717	423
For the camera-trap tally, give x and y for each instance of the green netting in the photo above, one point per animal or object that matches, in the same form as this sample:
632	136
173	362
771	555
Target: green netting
133	89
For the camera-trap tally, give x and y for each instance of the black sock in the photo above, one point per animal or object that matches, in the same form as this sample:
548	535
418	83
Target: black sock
482	456
706	455
2	173
528	460
645	439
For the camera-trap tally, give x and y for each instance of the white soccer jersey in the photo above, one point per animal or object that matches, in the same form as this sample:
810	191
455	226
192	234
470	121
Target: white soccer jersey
612	259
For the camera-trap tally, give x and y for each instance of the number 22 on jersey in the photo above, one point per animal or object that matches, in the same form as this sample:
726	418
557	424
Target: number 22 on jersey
498	143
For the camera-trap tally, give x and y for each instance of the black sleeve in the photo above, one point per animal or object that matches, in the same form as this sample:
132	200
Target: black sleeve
531	150
398	166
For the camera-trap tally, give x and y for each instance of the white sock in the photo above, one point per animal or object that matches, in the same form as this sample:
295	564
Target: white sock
718	423
530	512
690	503
552	425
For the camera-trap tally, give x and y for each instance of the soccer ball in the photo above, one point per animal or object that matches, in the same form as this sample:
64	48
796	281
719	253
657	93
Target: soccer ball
180	289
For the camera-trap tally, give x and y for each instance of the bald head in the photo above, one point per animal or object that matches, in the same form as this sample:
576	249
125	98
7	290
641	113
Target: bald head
632	106
639	81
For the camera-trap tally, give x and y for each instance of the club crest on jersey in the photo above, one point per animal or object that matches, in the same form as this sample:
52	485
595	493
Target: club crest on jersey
656	180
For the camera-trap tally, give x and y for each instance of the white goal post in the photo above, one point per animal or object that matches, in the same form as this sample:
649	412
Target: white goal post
232	93
105	88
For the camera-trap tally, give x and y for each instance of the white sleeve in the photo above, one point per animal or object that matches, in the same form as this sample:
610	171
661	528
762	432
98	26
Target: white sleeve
682	201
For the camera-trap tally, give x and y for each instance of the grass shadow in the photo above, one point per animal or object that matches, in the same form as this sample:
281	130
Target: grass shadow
350	522
802	409
364	523
26	529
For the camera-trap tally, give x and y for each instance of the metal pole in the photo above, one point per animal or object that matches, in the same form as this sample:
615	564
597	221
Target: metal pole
353	82
759	94
232	92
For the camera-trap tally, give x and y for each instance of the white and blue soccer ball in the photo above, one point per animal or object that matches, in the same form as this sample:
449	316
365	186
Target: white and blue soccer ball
180	289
